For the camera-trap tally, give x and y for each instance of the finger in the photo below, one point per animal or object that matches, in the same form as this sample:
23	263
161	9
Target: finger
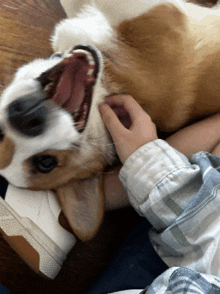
111	121
128	102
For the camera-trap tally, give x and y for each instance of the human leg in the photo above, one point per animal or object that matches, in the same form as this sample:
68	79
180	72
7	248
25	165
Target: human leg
134	265
4	290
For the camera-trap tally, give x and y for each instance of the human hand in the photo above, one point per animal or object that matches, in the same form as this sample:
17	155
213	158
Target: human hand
128	124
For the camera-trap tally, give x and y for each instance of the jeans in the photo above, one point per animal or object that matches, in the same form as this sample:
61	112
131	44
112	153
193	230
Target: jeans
134	265
4	290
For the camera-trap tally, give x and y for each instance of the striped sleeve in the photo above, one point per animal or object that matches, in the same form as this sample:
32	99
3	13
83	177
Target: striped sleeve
181	199
160	182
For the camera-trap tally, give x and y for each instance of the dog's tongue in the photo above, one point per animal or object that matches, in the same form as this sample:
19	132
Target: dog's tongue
70	91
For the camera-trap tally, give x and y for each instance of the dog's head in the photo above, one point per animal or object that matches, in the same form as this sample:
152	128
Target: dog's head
52	136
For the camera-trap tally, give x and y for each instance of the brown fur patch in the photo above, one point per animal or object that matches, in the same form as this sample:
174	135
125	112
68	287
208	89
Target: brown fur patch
154	64
170	63
7	149
208	87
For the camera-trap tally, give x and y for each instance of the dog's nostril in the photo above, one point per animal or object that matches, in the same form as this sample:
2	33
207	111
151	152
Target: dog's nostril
18	108
34	123
2	135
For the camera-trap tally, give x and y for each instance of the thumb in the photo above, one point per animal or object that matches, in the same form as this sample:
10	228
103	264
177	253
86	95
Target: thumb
111	121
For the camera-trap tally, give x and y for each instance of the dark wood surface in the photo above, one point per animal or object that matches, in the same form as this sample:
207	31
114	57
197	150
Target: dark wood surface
25	28
35	13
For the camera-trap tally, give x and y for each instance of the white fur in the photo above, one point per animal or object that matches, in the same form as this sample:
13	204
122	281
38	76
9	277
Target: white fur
89	27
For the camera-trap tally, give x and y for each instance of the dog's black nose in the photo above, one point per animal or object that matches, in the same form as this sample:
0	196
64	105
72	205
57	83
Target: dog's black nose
28	114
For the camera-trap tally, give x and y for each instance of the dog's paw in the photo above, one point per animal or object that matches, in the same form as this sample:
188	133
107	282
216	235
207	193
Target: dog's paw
89	27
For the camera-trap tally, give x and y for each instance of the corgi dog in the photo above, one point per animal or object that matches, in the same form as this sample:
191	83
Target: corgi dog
166	54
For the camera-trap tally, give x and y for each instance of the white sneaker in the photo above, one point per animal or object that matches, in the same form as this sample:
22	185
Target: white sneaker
29	223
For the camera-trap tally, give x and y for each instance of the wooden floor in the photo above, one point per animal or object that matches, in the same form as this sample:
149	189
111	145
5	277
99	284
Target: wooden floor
25	28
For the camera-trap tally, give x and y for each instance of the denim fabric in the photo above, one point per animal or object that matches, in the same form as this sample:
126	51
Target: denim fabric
134	265
4	290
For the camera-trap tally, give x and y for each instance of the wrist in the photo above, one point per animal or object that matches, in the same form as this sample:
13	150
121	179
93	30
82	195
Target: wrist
136	147
115	194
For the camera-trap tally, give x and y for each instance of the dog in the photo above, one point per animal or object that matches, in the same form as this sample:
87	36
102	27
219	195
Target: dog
166	54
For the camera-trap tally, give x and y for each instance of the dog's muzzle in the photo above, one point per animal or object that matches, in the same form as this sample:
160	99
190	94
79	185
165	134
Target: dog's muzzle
28	114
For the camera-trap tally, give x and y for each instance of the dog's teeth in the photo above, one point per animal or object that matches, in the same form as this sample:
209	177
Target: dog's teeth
75	113
88	55
90	59
47	88
90	72
68	55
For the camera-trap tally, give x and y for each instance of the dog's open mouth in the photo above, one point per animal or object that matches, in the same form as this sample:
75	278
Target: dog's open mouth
70	83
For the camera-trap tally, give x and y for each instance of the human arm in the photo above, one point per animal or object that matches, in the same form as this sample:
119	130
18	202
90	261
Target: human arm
180	198
201	136
116	195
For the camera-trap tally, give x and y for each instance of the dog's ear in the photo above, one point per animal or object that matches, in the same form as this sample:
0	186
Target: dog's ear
82	203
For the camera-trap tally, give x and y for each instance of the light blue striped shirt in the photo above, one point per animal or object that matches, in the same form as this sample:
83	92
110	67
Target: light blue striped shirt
181	199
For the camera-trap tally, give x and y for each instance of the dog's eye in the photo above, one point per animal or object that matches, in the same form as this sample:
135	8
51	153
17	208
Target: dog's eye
56	56
44	163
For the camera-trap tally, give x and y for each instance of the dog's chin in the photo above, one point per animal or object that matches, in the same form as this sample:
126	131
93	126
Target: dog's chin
69	84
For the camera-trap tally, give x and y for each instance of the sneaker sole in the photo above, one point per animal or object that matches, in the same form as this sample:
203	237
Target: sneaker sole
30	242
